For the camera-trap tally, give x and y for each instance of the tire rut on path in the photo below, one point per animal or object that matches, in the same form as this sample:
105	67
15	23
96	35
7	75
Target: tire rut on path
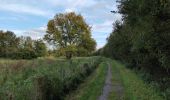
108	85
115	88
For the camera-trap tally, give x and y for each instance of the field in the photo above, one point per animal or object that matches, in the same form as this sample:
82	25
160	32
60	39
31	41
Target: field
43	78
76	79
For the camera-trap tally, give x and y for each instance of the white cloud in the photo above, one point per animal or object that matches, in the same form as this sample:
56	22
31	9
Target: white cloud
36	33
70	10
71	3
17	32
23	8
100	43
103	27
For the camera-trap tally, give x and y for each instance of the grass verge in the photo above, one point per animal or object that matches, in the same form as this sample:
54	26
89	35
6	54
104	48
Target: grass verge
135	88
92	87
117	84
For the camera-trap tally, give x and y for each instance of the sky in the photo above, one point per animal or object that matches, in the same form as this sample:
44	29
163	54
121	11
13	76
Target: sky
30	17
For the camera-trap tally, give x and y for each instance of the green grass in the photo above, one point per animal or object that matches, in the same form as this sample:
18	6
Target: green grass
116	82
92	87
135	87
43	78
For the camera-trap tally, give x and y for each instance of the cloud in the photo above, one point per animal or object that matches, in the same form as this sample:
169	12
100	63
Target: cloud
37	33
100	44
23	8
100	38
17	32
70	10
71	3
105	27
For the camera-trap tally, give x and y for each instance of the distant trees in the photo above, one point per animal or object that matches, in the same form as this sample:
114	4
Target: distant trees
26	50
8	44
20	47
31	48
70	34
40	48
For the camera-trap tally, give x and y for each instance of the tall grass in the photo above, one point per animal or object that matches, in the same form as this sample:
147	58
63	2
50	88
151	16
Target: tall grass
91	89
135	87
43	79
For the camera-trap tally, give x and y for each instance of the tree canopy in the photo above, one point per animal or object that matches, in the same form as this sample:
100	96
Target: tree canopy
70	33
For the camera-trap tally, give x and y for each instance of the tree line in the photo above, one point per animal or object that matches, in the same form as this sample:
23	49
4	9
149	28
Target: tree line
68	33
142	38
22	47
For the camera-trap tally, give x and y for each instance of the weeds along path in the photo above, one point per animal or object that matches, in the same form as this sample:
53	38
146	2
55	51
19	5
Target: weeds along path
134	87
92	86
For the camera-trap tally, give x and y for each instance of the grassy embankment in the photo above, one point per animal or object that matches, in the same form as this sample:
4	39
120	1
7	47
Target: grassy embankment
134	87
92	87
43	79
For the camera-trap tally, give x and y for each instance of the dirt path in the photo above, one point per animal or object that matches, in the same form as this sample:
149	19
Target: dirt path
108	85
113	87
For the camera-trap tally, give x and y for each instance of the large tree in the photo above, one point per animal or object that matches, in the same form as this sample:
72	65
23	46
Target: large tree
69	32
